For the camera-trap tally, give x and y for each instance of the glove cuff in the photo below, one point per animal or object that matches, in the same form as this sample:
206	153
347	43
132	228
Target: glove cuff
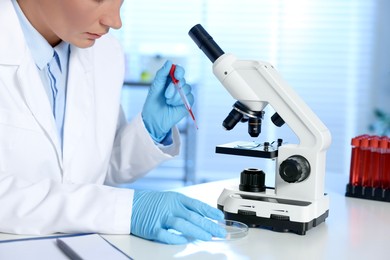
164	140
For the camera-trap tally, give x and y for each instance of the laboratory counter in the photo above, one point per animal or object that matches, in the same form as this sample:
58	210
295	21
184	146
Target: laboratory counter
355	229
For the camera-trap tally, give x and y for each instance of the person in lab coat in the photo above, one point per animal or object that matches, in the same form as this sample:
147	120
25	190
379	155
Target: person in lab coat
64	142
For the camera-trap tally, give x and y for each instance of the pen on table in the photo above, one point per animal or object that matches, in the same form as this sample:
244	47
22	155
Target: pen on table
182	95
68	251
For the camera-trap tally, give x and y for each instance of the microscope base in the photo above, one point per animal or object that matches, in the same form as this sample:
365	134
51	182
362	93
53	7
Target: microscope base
265	210
276	224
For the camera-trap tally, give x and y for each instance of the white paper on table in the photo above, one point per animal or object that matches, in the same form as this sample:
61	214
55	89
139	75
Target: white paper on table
91	246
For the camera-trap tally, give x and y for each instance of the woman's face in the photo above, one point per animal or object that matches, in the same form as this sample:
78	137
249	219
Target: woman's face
79	22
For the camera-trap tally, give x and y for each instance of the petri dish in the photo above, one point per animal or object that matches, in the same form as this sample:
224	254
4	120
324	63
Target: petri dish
235	229
248	145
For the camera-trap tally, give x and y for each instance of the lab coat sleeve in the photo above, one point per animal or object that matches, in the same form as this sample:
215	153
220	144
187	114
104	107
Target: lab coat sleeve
135	153
48	206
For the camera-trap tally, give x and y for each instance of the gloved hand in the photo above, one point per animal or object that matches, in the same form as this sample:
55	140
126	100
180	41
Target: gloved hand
163	107
155	213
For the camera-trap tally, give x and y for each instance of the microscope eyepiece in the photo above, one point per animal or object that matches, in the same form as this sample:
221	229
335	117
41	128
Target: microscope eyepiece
239	112
205	42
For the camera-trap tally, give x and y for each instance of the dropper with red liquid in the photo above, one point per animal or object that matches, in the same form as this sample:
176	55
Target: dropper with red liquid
182	95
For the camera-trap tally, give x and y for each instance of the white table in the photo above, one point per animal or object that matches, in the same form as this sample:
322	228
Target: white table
355	229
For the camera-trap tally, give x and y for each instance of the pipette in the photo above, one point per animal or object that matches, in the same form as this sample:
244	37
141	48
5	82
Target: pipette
182	95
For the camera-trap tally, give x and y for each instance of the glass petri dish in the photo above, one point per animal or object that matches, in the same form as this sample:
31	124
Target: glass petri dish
234	229
248	145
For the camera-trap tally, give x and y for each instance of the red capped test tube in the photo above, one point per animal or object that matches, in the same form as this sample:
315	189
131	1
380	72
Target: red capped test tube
374	182
355	159
385	163
364	162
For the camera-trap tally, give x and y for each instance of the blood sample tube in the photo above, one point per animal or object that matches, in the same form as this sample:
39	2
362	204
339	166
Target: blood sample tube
355	158
386	165
387	161
364	164
375	163
382	155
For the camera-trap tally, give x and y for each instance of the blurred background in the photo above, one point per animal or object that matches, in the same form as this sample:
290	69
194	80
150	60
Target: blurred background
333	53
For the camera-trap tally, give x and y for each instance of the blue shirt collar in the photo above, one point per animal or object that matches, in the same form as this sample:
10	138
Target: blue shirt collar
62	50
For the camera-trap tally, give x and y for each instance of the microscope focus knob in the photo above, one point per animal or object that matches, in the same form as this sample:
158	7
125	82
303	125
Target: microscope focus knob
252	180
294	169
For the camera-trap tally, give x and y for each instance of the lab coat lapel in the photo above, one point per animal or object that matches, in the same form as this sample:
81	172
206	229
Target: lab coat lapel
79	100
31	88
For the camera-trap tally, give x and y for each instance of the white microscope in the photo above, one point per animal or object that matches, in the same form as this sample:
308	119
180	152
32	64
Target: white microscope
298	201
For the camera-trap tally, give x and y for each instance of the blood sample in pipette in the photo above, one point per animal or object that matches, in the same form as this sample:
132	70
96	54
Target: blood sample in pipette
182	95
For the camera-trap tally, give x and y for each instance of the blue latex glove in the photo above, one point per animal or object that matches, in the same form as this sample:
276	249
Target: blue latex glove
155	213
163	107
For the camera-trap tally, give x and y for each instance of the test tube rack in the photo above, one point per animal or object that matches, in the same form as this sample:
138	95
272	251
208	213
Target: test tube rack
370	168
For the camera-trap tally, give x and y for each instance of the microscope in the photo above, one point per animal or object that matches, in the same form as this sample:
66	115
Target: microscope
298	202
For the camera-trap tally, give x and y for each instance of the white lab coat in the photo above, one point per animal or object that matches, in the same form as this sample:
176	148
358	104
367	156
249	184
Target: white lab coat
42	191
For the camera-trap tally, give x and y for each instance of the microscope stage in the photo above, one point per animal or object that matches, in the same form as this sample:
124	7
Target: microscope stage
251	149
